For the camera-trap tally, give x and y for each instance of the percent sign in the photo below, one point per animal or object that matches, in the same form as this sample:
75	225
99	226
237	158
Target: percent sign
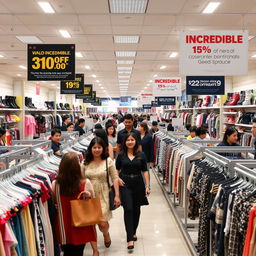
201	49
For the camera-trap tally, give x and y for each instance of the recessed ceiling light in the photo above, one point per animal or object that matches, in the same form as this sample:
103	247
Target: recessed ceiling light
254	56
79	55
87	67
123	77
145	87
18	74
29	39
211	7
124	68
163	67
1	56
58	87
155	75
46	6
125	53
150	81
123	81
128	6
65	33
124	72
142	90
126	39
23	67
94	76
125	62
102	87
251	37
173	55
97	81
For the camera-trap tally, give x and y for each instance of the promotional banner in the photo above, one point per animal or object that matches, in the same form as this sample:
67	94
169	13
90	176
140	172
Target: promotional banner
73	87
218	53
145	98
97	102
87	92
167	86
166	101
51	62
205	85
146	106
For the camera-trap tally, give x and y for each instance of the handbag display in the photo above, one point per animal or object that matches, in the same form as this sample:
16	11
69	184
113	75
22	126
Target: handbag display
86	212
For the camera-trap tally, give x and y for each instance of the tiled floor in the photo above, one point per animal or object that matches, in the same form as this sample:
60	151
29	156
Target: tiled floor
158	234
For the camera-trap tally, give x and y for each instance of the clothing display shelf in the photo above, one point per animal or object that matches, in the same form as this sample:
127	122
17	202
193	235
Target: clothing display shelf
39	110
239	106
10	109
230	113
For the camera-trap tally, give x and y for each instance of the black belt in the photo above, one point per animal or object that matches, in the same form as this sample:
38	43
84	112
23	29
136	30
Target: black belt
131	175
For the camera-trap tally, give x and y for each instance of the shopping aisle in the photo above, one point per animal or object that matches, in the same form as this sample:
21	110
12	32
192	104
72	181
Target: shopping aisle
158	234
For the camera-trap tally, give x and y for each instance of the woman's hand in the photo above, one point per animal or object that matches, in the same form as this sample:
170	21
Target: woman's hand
121	182
147	191
87	194
117	201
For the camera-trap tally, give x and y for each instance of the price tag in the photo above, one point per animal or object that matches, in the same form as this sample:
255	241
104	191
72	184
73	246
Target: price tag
73	87
87	92
51	62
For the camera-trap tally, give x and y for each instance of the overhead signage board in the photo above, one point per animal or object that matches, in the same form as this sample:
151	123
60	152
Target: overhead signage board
50	62
145	98
87	93
125	101
154	103
205	85
167	86
97	102
214	53
74	86
166	101
146	106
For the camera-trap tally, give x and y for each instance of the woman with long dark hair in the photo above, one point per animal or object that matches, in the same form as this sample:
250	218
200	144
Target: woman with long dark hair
132	165
230	138
95	169
112	138
69	183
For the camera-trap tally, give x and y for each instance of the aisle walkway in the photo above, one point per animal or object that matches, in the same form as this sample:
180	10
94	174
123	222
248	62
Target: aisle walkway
158	234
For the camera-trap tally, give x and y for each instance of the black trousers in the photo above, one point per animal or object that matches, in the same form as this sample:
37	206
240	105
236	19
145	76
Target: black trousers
73	250
131	213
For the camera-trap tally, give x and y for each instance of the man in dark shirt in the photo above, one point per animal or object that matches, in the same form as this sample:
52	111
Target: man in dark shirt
66	121
55	138
128	123
80	127
170	128
253	130
154	128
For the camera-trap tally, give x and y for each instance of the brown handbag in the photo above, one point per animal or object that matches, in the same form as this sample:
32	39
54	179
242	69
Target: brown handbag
86	212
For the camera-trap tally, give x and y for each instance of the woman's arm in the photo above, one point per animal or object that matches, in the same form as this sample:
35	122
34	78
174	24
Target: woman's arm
146	178
111	151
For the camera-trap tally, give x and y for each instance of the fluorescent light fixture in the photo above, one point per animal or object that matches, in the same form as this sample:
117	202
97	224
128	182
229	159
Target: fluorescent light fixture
125	62
124	72
46	7
18	74
79	55
211	7
150	81
163	67
124	68
128	6
29	39
251	37
173	55
102	87
97	81
125	53
123	81
254	56
126	39
142	90
145	87
65	33
123	77
94	76
22	67
155	75
1	56
87	67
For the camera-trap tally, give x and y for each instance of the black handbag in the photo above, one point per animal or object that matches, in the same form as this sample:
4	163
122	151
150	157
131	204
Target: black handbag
112	206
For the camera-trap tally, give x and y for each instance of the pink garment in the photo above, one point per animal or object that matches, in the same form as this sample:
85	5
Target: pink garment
30	125
8	238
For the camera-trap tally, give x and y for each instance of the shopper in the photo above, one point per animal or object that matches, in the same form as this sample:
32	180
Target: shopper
80	126
111	132
170	128
98	126
121	125
70	127
132	165
94	168
2	137
55	138
128	123
95	120
230	138
192	132
253	130
69	183
146	143
154	128
66	120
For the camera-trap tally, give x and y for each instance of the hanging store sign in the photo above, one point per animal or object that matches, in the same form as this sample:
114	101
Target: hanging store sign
73	87
218	53
145	98
146	106
205	85
97	102
154	103
166	101
87	93
51	62
167	86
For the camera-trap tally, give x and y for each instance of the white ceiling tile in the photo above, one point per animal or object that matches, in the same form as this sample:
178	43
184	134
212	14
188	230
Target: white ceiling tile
97	30
129	30
126	20
151	42
165	6
95	20
159	20
89	6
156	30
235	6
19	6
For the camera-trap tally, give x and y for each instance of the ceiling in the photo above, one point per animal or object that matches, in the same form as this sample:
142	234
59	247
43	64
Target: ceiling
92	28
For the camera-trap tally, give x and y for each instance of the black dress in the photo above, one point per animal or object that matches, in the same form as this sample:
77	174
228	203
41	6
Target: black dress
131	174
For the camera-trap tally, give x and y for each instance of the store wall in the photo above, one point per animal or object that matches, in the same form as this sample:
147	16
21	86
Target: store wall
6	85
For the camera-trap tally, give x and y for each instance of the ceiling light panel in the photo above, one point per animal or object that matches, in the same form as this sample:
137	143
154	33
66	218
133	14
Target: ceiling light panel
163	67
125	54
211	7
65	33
87	67
123	81
254	56
124	68
128	6
122	77
22	67
29	39
124	72
126	39
46	7
250	37
173	55
125	62
1	56
79	55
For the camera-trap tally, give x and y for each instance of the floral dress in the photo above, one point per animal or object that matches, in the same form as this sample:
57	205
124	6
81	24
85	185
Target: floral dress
97	174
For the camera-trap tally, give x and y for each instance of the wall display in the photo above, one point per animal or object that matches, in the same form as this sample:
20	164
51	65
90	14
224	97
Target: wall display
87	92
205	85
146	106
166	101
51	62
219	53
73	87
167	86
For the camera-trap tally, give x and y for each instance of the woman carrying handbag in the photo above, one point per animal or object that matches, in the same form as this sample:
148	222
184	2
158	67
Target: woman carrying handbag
68	185
134	175
97	166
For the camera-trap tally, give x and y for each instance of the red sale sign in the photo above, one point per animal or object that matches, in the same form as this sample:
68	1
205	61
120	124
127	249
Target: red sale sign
167	86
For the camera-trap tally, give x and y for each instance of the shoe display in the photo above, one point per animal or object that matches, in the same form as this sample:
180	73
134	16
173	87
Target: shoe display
248	97
254	97
229	95
242	98
234	99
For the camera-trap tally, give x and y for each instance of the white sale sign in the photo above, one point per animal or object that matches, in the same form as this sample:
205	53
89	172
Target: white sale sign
167	86
145	98
218	53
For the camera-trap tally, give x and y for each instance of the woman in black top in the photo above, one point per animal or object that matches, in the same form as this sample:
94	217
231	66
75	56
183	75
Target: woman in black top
132	165
230	138
146	143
